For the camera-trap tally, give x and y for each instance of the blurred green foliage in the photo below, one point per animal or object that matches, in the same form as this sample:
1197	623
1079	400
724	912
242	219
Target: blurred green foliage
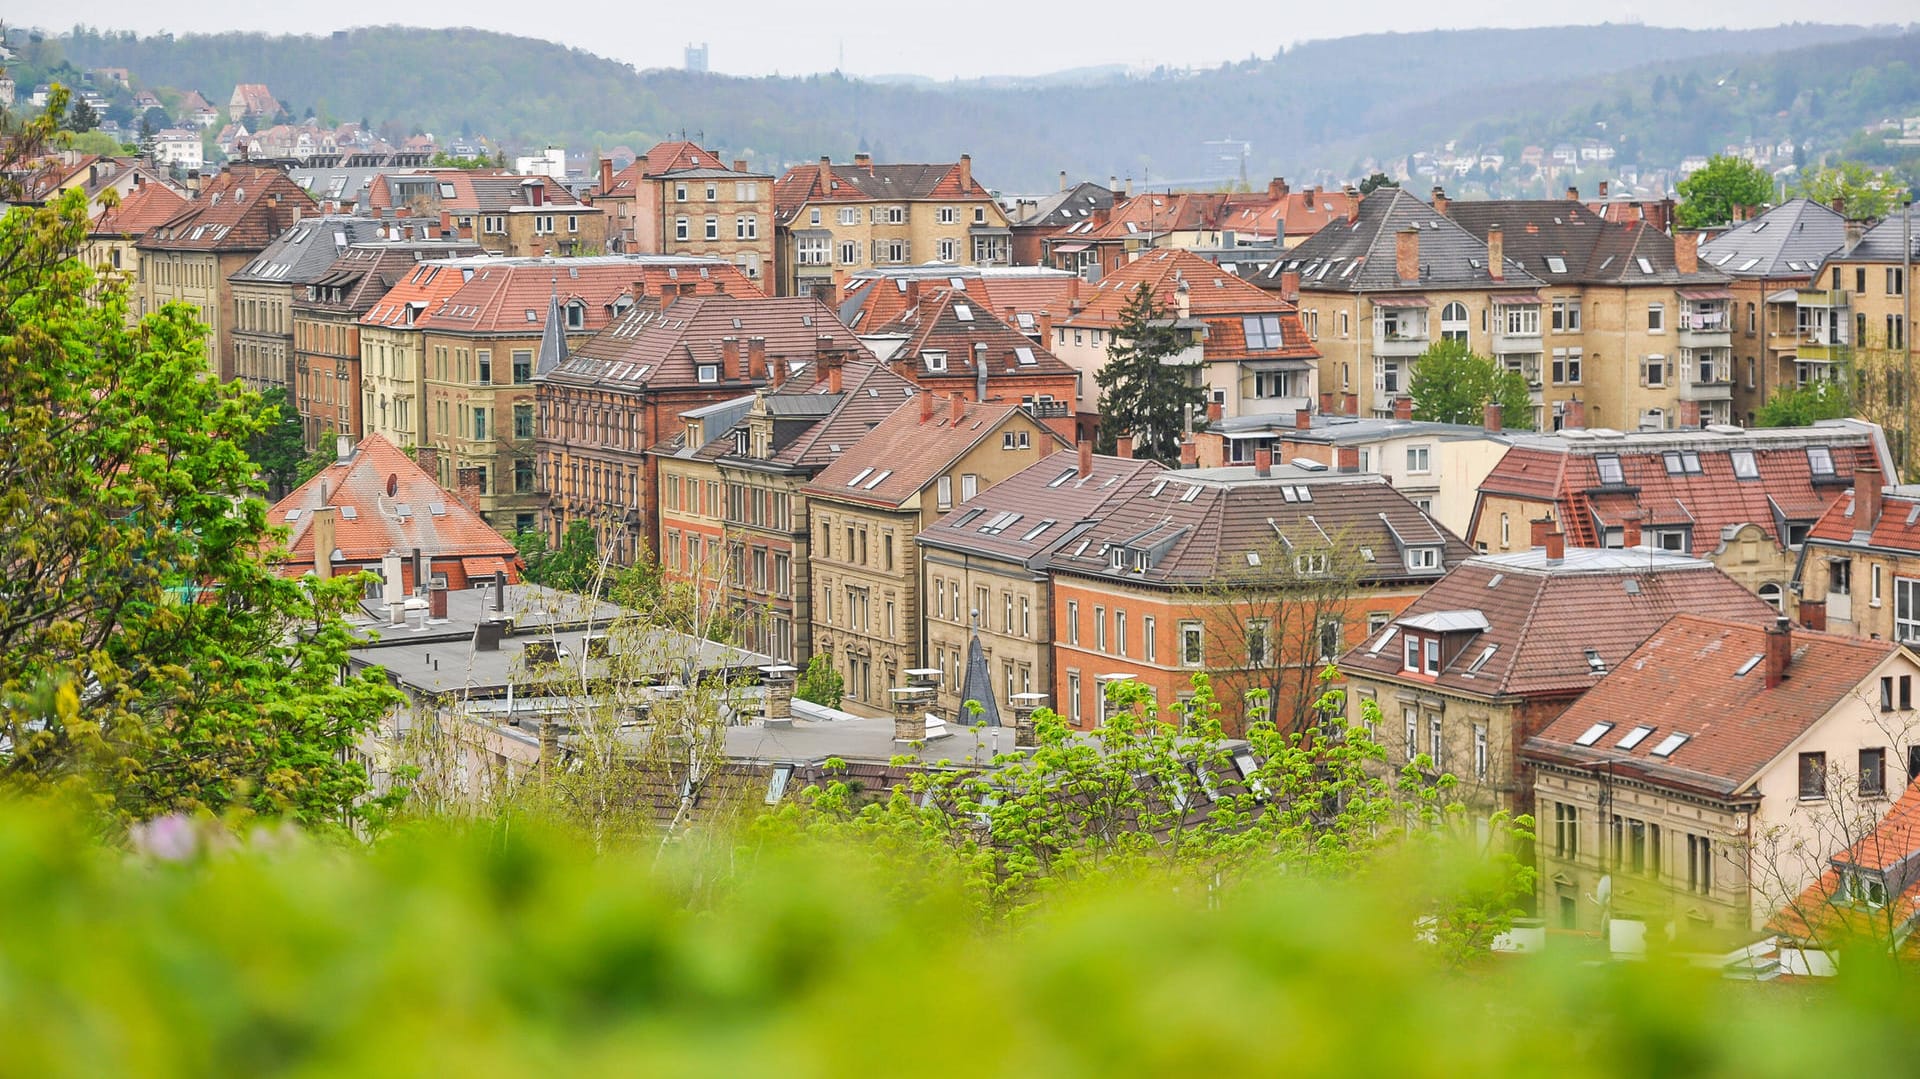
507	948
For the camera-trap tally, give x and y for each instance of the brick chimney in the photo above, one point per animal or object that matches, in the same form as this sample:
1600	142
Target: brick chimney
830	359
1086	456
1302	419
1686	251
1490	416
1326	402
1866	496
1263	462
1290	285
1539	527
1215	412
1439	200
926	406
1046	327
1630	533
1406	254
863	161
323	542
1840	205
1352	195
958	411
1573	194
739	164
1123	447
1813	614
1346	459
1277	188
1603	191
1403	407
913	292
1556	545
966	172
1189	455
757	357
1496	253
1574	417
606	175
1689	414
1779	651
730	358
467	487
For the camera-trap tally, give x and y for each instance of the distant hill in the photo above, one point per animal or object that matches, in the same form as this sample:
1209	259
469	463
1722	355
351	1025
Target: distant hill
1317	106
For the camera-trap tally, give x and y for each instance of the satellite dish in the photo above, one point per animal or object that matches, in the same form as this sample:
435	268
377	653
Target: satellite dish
1603	892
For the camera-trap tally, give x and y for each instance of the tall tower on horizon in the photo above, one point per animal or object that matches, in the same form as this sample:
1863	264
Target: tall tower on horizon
697	57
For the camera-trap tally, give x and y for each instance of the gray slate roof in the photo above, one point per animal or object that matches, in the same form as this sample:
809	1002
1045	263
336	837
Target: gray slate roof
1789	240
1360	256
1882	243
305	252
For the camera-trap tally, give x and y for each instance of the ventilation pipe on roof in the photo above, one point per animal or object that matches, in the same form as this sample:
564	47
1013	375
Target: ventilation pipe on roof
980	371
499	590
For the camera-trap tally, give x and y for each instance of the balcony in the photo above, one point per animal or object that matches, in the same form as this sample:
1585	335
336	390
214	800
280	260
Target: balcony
1403	338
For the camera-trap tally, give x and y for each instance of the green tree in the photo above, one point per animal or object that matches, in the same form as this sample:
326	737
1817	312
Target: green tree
1865	194
1707	197
1801	406
81	118
1451	384
1375	182
280	447
1142	396
443	160
148	654
573	567
820	683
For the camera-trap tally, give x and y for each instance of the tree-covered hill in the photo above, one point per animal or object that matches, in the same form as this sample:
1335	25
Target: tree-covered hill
1317	106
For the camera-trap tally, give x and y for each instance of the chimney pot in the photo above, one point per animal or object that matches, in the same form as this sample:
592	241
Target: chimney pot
1440	200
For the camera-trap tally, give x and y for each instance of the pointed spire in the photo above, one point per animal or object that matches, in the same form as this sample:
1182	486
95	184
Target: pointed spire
553	339
978	685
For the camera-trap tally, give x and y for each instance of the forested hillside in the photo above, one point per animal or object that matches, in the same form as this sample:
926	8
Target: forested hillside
1318	106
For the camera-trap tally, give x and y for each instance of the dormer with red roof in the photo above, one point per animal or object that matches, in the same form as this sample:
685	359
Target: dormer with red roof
1860	571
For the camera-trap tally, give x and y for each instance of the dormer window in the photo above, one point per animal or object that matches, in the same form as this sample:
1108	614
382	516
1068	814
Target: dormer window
1423	558
709	372
1820	460
936	360
1863	889
576	315
1610	472
1411	661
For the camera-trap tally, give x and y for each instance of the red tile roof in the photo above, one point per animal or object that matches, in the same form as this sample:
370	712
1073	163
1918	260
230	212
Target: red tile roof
869	393
1710	500
905	453
934	323
1050	492
1829	915
512	296
1542	617
385	502
139	210
1694	676
241	209
1898	528
474	191
663	158
826	182
650	348
1211	290
422	289
256	99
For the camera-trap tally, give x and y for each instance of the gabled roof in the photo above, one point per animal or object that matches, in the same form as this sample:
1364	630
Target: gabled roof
812	427
423	289
385	502
950	322
1561	241
667	158
1016	293
650	347
255	98
1279	212
1897	530
1881	243
827	182
470	191
1829	914
305	252
1705	679
1070	207
139	210
1049	493
1200	525
1687	478
366	272
1790	240
1541	617
511	296
905	452
1360	256
242	209
1210	289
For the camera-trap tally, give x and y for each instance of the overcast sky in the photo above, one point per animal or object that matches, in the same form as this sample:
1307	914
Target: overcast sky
759	37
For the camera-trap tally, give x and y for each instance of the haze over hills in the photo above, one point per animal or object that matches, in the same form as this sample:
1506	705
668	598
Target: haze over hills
1323	106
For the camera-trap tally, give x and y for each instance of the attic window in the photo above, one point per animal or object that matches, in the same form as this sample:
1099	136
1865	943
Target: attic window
1062	478
1744	466
1190	494
936	360
1646	266
1593	734
1034	532
1024	355
777	785
709	372
1253	558
350	513
447	191
1682	462
1669	744
1556	264
1000	523
1595	663
963	312
437	509
532	315
293	515
1749	665
1634	737
863	474
879	479
1610	473
1820	459
1481	660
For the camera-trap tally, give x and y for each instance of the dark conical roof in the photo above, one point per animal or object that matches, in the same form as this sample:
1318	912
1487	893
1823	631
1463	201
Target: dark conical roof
978	686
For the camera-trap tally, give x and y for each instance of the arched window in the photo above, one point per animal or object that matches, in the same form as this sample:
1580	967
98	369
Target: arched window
1770	594
1453	322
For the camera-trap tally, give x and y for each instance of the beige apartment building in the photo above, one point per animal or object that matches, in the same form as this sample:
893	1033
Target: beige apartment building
264	291
680	198
1858	316
505	213
392	369
930	458
833	220
113	239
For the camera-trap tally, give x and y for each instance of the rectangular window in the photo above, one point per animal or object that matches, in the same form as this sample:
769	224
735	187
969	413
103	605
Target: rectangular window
1073	621
1120	632
1073	696
1259	643
1873	773
1412	718
1435	743
523	421
1699	864
1906	609
943	489
1419	458
522	366
1813	775
1192	652
1100	628
1146	638
1656	318
1566	830
1479	751
713	228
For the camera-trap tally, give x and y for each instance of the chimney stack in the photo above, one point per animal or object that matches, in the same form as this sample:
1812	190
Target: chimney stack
1439	200
1573	194
1574	417
1490	416
437	602
1326	402
1025	734
1866	497
1352	195
323	542
926	406
1046	328
1215	412
1406	254
757	358
606	175
499	591
1302	419
1539	526
1686	251
1603	191
730	357
863	161
1189	455
1630	536
966	173
1556	545
1086	458
1496	253
1779	651
1290	285
1263	462
1277	188
1063	179
1689	414
958	411
1123	446
1840	205
1403	407
467	487
777	688
1346	459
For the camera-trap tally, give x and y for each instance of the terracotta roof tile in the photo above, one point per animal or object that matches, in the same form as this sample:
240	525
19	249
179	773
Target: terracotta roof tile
649	347
242	209
392	503
903	454
139	210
